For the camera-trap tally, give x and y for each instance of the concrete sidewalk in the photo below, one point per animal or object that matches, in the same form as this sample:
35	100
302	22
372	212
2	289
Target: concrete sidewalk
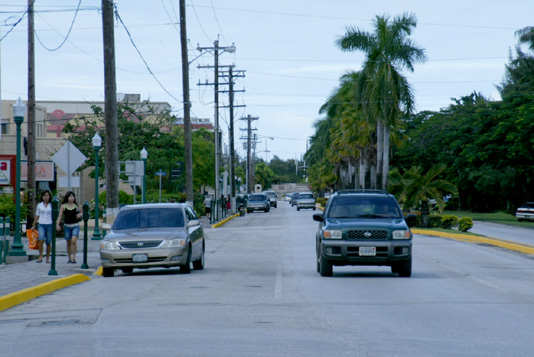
20	276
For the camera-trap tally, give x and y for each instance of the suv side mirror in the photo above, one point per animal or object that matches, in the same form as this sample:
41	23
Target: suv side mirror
318	217
410	219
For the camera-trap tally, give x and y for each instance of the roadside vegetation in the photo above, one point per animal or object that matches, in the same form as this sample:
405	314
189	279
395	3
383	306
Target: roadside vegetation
476	152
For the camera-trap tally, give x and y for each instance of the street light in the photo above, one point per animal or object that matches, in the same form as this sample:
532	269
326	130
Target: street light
19	109
266	151
144	155
97	144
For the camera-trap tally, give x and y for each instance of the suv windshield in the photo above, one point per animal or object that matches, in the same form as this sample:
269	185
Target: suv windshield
257	198
363	207
149	218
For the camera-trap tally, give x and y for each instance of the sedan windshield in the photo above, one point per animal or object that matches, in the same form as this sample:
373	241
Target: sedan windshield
149	218
256	198
305	196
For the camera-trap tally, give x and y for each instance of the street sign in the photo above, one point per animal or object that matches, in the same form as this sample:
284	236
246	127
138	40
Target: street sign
69	158
161	173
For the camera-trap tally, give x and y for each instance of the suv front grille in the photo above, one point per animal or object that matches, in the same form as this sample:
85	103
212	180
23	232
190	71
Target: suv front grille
367	235
140	244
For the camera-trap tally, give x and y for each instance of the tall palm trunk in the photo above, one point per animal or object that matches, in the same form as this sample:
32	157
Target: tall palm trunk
363	169
379	151
373	176
425	213
385	169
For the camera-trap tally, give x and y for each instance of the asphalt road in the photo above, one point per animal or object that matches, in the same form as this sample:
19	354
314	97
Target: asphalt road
260	295
501	231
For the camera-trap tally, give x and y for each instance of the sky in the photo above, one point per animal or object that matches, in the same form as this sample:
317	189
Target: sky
286	49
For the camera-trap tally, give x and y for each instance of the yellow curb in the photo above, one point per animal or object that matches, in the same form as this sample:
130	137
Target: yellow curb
216	225
18	297
523	248
99	271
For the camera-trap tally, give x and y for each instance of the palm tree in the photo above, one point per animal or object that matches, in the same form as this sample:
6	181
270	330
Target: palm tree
384	93
416	188
526	35
351	144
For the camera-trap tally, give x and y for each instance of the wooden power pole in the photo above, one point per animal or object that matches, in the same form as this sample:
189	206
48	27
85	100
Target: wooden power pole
30	183
110	110
188	151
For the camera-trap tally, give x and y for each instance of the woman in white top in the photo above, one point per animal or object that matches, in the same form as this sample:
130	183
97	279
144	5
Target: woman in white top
43	214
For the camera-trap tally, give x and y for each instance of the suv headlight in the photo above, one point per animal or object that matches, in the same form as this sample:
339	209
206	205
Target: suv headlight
109	245
401	235
173	243
332	234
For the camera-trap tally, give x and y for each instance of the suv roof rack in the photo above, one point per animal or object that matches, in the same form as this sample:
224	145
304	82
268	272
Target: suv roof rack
363	190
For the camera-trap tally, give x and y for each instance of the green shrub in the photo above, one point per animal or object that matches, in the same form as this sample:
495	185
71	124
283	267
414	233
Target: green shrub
322	201
465	224
434	220
448	221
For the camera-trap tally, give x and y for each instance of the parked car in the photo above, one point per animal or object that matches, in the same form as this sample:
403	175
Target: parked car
525	212
153	235
305	200
258	202
272	198
294	198
288	196
364	227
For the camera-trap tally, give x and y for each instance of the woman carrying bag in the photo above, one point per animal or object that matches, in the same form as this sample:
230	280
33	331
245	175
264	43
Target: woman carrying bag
43	214
72	214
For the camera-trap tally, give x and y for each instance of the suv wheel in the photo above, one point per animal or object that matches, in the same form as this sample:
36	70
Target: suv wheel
404	268
325	267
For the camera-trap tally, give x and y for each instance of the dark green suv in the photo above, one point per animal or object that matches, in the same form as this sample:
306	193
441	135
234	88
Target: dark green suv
364	227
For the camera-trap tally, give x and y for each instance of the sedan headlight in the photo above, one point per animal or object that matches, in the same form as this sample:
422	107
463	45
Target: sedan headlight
401	235
332	234
173	243
109	245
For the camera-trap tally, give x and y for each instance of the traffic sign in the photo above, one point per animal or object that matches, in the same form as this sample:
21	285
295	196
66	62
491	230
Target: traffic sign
69	158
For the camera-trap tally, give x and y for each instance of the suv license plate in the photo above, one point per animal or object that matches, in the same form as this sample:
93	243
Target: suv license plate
141	258
367	251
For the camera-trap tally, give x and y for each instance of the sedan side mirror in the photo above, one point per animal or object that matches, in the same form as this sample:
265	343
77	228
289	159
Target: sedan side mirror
411	219
193	222
318	217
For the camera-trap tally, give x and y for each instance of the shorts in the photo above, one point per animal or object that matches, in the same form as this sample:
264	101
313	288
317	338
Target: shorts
208	209
71	232
45	233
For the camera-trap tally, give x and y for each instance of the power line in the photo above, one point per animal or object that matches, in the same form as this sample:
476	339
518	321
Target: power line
66	37
142	58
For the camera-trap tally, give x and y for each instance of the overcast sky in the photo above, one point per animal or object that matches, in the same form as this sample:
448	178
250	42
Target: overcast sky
286	48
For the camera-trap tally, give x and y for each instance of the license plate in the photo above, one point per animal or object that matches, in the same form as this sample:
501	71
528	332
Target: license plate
367	251
140	258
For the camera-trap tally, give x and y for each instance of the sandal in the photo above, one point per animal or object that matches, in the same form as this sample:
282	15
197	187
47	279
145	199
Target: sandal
73	261
39	261
69	261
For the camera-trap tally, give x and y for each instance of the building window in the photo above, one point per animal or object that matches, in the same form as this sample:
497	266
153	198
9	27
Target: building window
4	127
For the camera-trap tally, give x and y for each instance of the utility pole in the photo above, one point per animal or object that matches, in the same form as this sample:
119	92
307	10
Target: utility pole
250	177
188	151
30	183
231	75
215	50
110	110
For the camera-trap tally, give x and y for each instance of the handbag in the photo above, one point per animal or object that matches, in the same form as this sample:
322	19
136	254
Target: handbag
33	238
